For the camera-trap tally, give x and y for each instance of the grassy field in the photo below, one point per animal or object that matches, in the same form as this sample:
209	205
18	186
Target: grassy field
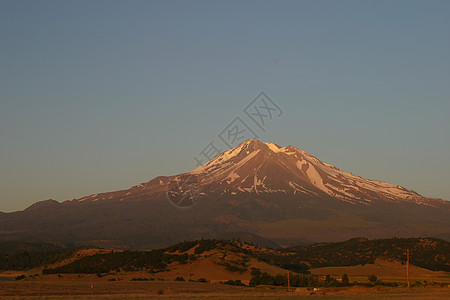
121	285
86	289
388	271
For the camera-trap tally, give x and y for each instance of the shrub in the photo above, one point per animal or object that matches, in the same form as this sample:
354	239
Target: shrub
345	280
232	268
372	278
234	282
20	277
331	281
205	245
139	279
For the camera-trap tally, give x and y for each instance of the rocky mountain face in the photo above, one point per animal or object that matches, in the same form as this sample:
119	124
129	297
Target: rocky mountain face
257	167
257	191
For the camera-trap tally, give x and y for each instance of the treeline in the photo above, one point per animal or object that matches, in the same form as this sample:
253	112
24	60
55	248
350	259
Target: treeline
19	246
182	247
155	260
12	258
296	280
27	260
18	255
429	253
207	245
287	262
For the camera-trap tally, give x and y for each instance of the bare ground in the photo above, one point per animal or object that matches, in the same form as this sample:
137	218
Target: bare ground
193	290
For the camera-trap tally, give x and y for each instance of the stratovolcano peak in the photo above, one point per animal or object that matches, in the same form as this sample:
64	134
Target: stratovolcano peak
255	166
278	193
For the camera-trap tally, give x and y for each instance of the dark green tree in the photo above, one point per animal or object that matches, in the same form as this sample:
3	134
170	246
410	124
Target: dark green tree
373	279
345	280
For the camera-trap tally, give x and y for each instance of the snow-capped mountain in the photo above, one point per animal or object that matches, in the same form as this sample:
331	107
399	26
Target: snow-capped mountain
257	167
257	191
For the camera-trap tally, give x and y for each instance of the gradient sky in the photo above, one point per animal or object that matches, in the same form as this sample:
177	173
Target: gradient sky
97	96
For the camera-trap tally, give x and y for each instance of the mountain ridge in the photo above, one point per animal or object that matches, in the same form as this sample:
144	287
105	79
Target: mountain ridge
255	145
279	194
300	171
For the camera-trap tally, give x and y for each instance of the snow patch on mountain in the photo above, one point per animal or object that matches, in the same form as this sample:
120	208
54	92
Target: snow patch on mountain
232	177
273	147
289	169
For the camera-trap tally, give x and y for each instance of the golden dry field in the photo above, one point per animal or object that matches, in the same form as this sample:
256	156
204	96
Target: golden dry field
91	287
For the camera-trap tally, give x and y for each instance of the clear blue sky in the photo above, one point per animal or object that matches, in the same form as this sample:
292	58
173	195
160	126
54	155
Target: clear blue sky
97	96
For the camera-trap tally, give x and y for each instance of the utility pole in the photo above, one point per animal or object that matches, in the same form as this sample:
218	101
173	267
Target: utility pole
289	283
407	268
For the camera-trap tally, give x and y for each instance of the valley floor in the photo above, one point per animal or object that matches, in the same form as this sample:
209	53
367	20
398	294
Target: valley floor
85	289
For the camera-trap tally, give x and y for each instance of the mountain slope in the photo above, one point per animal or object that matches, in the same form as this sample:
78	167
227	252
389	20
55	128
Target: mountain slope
279	195
257	167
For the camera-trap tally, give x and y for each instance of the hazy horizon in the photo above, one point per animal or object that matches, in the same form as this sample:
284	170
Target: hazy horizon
100	96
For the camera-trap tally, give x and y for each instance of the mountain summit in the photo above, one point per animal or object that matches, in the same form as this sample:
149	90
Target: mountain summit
257	167
258	192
